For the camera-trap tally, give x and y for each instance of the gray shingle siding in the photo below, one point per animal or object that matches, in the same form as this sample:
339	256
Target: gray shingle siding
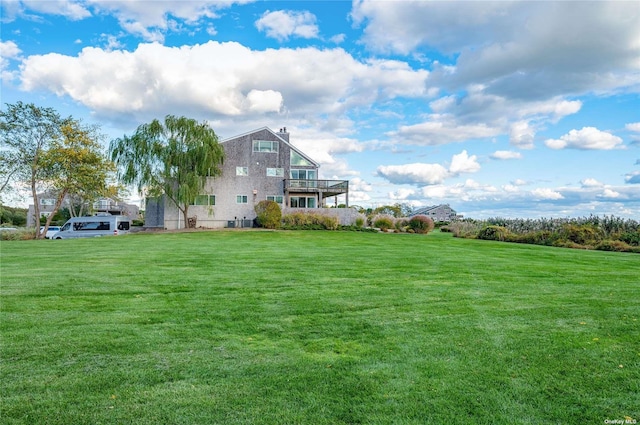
256	185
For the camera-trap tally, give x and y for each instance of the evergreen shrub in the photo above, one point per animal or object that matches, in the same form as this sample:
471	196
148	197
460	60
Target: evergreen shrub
269	214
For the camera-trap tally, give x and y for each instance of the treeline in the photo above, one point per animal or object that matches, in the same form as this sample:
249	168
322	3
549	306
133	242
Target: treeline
607	233
10	216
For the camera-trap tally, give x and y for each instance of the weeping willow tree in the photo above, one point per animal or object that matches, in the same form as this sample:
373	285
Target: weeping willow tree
172	158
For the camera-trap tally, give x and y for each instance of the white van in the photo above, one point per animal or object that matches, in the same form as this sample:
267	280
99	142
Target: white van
94	226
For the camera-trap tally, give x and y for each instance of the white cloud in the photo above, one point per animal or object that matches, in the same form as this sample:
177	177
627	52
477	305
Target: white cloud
8	51
421	174
73	10
609	193
586	138
589	182
283	24
521	135
632	178
338	38
264	100
437	132
190	79
502	155
510	188
519	49
418	174
634	126
546	194
402	194
463	163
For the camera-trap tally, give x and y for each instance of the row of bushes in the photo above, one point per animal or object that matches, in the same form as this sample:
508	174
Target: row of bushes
269	215
417	224
572	233
20	234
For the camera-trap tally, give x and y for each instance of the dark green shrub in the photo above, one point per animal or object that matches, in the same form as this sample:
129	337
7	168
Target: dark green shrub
631	238
421	224
494	233
269	214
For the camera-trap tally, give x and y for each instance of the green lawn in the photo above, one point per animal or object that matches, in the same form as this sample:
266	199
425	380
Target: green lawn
236	327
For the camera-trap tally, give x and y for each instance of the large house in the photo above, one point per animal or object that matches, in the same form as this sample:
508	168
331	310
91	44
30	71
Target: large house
259	165
441	212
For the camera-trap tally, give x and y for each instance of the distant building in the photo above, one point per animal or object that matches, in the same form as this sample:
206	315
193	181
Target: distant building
47	201
441	212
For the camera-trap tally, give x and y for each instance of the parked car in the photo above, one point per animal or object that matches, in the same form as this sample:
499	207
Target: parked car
97	225
52	230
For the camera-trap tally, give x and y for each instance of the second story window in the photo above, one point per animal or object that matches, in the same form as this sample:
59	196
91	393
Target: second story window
242	171
242	199
265	146
301	174
275	172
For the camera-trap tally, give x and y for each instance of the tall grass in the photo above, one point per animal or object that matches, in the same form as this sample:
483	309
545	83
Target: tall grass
606	233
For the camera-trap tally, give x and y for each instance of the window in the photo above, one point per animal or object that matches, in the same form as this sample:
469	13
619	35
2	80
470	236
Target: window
242	199
279	199
205	200
297	174
123	225
92	225
47	201
297	159
302	202
265	146
275	172
242	171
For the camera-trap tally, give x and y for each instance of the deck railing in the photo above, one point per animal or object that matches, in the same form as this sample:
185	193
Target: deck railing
332	185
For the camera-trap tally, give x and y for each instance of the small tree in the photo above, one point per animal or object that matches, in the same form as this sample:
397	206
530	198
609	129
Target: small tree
26	133
269	214
76	164
172	158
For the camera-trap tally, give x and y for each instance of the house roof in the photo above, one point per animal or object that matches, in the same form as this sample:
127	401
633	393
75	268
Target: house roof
431	208
298	151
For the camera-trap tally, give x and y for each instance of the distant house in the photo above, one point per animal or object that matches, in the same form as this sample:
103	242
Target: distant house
441	212
259	165
47	201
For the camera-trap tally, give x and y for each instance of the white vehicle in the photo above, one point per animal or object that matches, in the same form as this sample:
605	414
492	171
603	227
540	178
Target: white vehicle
94	226
51	230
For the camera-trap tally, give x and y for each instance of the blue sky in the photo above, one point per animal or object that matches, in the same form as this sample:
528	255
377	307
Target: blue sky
510	109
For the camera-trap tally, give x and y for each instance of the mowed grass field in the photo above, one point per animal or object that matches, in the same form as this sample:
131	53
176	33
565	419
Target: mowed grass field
292	327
